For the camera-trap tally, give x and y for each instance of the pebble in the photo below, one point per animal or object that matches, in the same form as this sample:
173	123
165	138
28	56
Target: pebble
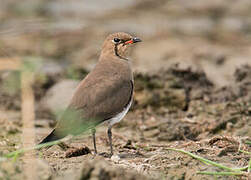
115	158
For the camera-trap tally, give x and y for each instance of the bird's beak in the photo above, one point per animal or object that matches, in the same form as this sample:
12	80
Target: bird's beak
135	40
132	41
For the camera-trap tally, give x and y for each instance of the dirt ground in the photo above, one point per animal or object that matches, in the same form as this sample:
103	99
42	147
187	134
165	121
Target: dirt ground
192	86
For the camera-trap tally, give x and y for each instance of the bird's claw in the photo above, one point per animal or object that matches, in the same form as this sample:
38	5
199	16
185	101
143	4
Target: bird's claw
105	155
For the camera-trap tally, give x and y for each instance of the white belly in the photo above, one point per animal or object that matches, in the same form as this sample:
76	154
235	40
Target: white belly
120	115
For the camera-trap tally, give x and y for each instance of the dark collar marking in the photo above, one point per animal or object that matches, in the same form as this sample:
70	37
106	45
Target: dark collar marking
117	54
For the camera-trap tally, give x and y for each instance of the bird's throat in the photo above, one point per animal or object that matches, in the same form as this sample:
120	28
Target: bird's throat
116	51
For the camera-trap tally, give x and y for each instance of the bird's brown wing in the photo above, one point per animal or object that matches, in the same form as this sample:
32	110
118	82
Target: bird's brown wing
96	101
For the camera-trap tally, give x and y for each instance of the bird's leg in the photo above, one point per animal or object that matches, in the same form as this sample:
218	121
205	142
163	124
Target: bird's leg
109	133
94	141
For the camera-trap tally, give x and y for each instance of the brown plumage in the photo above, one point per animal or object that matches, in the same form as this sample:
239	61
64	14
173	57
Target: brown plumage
104	95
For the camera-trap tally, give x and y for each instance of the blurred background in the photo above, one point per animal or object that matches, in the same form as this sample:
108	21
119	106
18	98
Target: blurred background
212	35
192	70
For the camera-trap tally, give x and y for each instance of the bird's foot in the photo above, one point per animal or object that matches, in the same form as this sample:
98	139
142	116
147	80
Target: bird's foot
105	155
74	152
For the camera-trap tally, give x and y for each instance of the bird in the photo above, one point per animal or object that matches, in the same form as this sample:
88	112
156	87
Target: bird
104	95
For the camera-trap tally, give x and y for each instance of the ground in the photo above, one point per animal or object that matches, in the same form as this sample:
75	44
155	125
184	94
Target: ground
192	87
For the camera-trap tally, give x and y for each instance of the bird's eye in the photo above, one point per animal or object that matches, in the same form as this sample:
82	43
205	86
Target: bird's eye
116	40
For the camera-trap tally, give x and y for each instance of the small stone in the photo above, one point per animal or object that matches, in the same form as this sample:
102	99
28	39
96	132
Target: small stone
115	158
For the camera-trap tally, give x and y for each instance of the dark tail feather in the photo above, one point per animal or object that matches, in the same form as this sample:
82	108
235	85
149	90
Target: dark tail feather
51	137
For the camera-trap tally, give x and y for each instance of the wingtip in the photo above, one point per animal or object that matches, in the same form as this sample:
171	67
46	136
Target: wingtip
50	137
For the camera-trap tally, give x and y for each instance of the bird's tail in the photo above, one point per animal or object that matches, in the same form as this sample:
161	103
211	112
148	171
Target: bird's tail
51	137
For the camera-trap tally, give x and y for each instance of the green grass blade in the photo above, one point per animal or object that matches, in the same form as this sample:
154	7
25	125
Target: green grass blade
248	142
205	160
222	173
15	154
242	168
245	152
249	165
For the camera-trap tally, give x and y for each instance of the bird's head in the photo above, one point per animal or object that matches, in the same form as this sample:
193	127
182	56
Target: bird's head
117	44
